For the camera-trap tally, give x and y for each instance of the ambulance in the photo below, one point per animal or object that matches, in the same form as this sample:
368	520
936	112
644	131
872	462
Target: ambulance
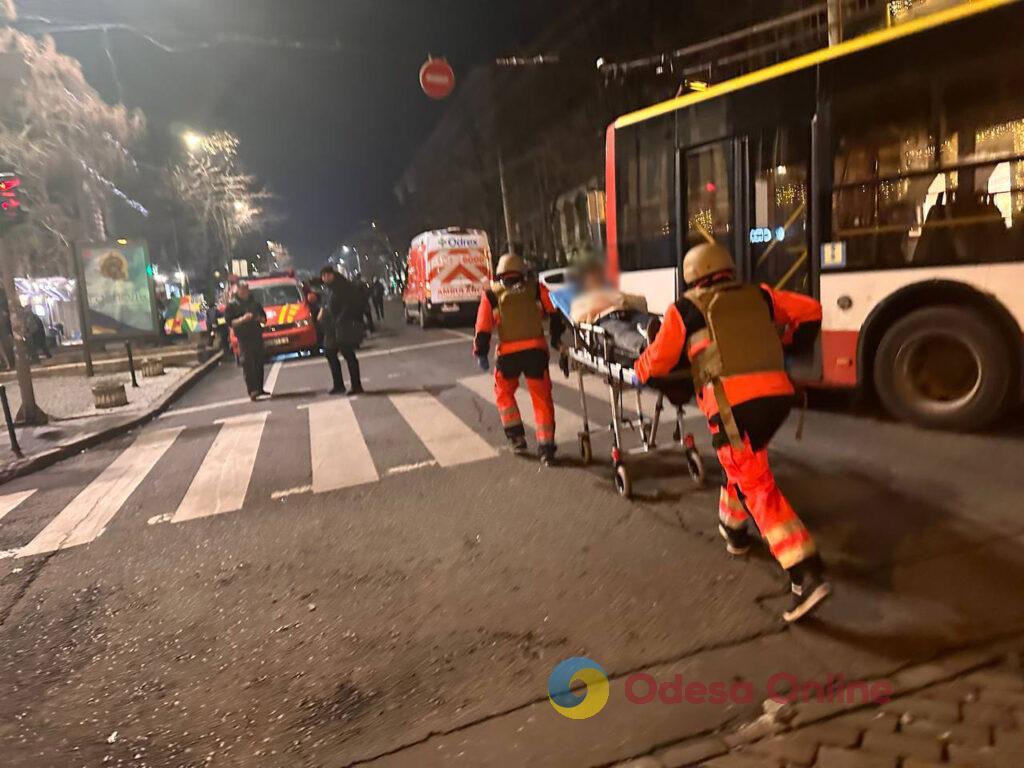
447	271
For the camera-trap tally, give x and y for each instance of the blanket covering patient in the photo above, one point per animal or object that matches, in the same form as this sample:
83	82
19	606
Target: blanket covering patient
626	318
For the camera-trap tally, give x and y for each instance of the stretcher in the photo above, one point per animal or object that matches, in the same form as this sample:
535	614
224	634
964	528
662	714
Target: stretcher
593	350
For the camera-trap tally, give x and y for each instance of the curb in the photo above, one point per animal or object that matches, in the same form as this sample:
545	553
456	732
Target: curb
90	440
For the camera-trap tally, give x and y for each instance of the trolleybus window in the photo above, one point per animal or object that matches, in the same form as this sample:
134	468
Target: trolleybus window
778	227
646	188
657	158
941	182
709	207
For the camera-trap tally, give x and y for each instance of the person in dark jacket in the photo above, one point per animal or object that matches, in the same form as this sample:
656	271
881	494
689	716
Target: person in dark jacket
366	300
341	317
35	335
377	294
246	316
6	332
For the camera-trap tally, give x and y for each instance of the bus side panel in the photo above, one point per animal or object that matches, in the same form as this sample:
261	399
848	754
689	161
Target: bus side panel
863	291
611	209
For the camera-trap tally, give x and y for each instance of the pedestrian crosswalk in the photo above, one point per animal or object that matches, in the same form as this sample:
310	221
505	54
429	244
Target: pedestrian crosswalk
454	427
223	479
568	425
331	425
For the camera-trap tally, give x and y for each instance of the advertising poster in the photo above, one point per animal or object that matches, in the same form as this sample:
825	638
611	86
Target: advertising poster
118	290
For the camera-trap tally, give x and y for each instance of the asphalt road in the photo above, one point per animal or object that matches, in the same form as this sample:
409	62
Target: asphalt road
318	581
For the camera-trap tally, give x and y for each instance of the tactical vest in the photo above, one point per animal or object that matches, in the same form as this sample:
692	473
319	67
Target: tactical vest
739	339
520	313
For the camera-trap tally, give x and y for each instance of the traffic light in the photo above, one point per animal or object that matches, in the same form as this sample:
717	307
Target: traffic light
11	210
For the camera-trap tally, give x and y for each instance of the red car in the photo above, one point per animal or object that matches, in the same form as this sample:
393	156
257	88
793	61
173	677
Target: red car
290	326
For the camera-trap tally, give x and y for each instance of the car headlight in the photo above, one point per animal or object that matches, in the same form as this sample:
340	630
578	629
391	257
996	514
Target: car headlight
303	324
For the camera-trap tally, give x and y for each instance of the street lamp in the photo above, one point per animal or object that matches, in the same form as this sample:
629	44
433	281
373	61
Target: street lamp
193	141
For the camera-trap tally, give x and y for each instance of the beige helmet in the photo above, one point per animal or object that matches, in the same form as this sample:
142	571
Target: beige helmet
705	260
510	263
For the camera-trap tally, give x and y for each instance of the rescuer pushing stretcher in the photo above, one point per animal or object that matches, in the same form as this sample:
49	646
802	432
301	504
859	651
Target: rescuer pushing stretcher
515	306
729	332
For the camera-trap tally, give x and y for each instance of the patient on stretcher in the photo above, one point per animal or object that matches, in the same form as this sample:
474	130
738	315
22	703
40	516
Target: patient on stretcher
623	315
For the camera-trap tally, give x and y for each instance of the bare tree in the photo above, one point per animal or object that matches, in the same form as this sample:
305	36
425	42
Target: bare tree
225	201
67	144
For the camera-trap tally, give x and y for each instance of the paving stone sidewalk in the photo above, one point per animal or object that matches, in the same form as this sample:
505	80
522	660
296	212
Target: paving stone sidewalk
974	720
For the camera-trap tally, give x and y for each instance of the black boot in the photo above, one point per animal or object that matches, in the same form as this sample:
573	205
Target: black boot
547	455
809	588
737	540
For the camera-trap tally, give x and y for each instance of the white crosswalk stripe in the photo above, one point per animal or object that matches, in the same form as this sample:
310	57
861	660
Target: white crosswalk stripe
447	438
331	425
87	515
567	424
223	478
12	501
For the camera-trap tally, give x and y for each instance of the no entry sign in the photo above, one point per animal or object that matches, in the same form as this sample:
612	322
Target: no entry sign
437	78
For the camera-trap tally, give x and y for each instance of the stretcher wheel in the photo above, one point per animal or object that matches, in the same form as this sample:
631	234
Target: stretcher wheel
586	452
623	483
695	464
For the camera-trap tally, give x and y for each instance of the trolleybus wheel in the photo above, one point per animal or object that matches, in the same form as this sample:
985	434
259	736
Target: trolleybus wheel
623	483
945	368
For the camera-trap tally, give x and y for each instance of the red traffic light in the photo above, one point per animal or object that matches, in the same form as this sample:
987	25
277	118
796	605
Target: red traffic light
11	210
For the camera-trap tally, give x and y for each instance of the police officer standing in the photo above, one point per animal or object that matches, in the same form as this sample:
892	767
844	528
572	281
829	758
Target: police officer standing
246	316
341	319
728	331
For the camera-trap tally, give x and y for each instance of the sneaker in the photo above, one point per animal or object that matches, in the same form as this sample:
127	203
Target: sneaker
519	446
547	456
356	391
806	597
737	542
338	391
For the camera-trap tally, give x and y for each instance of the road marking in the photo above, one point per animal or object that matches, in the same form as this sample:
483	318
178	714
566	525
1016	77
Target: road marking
223	478
567	424
392	351
275	371
461	334
338	452
401	470
447	438
90	511
296	491
207	407
12	500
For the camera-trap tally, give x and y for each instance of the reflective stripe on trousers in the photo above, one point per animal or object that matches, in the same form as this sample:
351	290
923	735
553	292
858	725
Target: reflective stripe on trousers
749	474
543	405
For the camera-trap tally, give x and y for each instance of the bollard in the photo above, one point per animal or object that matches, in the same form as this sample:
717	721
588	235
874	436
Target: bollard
15	448
131	363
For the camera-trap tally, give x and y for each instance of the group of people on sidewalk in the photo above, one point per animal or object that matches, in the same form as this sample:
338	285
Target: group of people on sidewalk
728	333
341	313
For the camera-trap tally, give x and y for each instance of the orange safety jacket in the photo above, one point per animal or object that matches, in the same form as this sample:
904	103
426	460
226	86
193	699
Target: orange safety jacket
789	310
488	319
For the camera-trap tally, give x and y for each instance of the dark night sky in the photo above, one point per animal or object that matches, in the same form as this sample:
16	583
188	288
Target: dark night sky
328	130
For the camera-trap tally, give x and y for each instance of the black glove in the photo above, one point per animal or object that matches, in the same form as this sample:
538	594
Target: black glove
563	364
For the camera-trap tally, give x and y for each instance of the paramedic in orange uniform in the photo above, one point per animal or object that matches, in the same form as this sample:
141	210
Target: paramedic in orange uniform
515	306
730	334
